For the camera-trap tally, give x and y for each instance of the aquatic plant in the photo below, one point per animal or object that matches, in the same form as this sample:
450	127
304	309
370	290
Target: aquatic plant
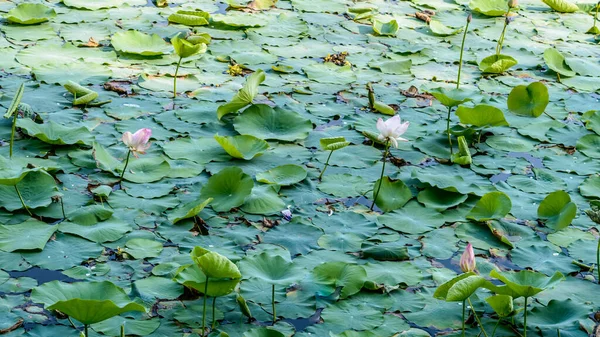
136	143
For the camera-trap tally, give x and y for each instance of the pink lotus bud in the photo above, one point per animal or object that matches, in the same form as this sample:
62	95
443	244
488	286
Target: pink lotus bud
137	142
470	18
467	260
513	3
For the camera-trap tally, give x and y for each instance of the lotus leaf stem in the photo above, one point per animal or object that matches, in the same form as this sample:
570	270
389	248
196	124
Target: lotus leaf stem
525	319
595	19
126	163
598	260
464	309
22	201
175	78
122	330
326	164
204	306
496	326
12	133
62	207
477	318
501	39
85	329
448	130
214	319
273	303
385	154
462	49
72	324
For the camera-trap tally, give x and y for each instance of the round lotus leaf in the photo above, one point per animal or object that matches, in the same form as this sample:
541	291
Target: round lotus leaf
562	6
263	200
440	199
527	283
29	14
263	332
558	210
590	187
135	42
392	194
37	190
193	277
214	265
528	100
556	61
489	7
242	146
264	122
339	274
589	145
385	28
452	97
146	170
143	248
497	64
493	205
481	115
284	175
87	302
228	188
441	29
272	269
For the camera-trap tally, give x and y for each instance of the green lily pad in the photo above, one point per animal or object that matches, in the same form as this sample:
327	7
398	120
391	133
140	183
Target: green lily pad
441	29
339	274
272	269
138	43
389	28
440	200
493	205
481	115
30	14
556	61
228	188
497	64
193	277
214	265
452	97
11	171
530	100
263	200
54	133
392	194
143	248
263	332
29	235
37	189
267	123
590	187
562	6
146	170
559	315
244	96
190	18
527	283
489	7
87	302
284	175
242	146
188	210
558	210
502	304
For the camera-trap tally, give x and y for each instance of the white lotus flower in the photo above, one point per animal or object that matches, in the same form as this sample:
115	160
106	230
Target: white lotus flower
391	130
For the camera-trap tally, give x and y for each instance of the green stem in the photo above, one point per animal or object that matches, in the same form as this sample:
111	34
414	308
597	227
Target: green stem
496	326
448	130
462	49
122	330
126	163
477	318
479	137
596	16
12	133
273	303
214	317
72	324
385	154
598	260
464	309
525	319
85	329
204	307
22	201
326	164
62	206
501	39
175	78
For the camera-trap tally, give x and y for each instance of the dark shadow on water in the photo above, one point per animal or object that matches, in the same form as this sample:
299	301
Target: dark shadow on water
534	161
302	323
42	275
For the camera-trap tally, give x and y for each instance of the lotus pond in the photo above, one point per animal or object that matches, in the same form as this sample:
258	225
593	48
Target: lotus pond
328	168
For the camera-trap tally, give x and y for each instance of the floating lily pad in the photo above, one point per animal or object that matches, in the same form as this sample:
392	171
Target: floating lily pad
87	302
481	115
146	170
31	234
284	175
267	123
558	210
530	100
556	61
135	42
441	29
497	64
392	194
228	188
30	13
242	146
385	28
54	133
493	205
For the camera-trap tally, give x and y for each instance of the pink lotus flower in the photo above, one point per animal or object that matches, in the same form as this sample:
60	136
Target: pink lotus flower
467	260
391	130
137	142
